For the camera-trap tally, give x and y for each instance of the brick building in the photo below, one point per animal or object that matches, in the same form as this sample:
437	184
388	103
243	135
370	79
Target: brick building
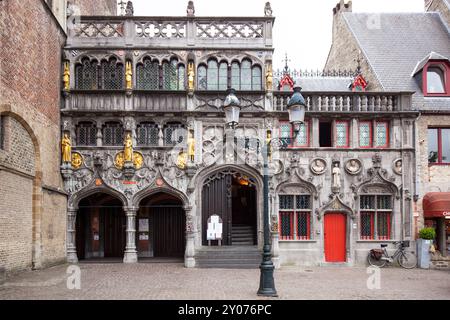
32	200
413	56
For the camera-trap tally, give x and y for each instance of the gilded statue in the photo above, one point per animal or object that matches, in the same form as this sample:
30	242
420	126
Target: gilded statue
269	78
77	160
191	146
128	149
119	160
66	76
66	148
182	160
129	76
138	160
191	76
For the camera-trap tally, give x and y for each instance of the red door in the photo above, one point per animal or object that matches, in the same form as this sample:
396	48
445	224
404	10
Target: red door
335	237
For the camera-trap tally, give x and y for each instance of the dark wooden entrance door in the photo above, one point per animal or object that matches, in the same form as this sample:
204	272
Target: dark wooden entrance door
169	231
114	222
335	236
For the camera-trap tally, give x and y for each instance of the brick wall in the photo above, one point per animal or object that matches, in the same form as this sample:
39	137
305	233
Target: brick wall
96	7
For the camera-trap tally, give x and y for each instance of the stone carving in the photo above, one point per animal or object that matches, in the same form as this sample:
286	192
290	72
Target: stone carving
274	223
335	204
250	103
66	76
318	166
353	166
129	11
268	10
191	146
129	76
190	9
161	29
78	180
182	160
212	144
229	30
66	148
397	166
269	78
128	148
92	29
336	173
77	160
191	76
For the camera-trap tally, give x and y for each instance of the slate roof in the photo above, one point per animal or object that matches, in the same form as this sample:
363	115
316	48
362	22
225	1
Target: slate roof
394	44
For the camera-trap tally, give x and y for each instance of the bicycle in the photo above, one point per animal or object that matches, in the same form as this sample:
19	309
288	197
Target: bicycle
380	257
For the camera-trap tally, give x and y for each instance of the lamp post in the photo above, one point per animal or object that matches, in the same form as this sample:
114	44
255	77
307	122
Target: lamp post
296	108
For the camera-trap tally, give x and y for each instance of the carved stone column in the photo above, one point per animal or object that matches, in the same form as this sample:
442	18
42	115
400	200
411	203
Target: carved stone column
71	244
275	242
189	260
130	249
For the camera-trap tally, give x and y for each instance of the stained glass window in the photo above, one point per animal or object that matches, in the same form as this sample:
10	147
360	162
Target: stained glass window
285	133
246	75
113	134
170	79
174	133
202	78
86	75
181	78
302	137
235	76
223	76
365	134
256	78
147	134
341	134
147	75
381	134
112	75
213	75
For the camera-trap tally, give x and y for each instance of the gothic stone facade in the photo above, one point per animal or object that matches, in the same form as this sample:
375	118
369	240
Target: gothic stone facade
180	68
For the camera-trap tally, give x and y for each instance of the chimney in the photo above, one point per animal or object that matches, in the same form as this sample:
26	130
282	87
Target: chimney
342	7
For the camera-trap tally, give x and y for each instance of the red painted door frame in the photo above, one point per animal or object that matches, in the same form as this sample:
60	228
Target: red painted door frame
335	237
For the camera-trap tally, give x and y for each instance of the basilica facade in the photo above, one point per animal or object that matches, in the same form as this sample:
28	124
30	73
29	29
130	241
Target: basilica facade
147	158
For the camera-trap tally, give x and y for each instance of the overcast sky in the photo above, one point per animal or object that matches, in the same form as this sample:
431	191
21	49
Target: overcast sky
302	27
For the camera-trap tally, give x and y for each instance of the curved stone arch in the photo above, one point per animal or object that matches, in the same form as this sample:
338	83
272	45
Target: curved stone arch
84	56
336	204
219	57
74	199
377	183
141	195
37	197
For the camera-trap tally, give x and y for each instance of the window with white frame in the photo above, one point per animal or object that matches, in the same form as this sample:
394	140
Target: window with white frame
295	217
375	217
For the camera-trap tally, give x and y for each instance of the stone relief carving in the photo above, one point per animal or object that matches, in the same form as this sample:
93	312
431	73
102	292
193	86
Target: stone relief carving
212	144
397	166
248	103
318	166
353	166
335	204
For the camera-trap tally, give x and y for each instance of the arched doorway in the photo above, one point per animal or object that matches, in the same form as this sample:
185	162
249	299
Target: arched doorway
232	196
100	227
160	227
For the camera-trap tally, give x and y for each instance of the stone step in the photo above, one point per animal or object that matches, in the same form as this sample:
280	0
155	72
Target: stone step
242	256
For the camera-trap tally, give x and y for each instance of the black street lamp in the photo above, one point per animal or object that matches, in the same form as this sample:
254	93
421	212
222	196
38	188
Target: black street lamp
296	108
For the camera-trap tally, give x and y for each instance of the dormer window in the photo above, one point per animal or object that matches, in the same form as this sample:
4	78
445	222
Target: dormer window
435	80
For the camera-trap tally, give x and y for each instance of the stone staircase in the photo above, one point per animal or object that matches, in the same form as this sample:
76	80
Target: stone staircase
242	235
228	257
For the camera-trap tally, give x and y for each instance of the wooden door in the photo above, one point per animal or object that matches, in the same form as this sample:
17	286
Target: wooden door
114	222
335	236
169	231
216	199
80	234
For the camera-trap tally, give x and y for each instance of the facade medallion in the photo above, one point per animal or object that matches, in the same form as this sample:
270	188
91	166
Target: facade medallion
138	160
353	166
397	166
77	160
318	166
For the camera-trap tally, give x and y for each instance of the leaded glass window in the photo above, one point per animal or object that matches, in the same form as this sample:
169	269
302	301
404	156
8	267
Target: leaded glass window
375	217
342	138
235	76
223	76
213	75
86	133
86	75
113	134
365	134
147	134
147	75
303	135
112	75
246	75
181	78
381	134
202	78
174	133
170	79
295	217
256	78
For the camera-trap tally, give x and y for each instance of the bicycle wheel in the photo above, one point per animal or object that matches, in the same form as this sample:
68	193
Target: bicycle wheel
407	260
380	263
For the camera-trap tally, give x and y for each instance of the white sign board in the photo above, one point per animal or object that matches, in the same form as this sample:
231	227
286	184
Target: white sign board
143	225
215	226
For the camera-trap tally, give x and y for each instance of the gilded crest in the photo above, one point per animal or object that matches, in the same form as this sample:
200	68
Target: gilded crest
77	160
138	160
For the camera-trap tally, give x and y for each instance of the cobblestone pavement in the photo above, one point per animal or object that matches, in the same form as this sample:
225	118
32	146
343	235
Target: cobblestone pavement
173	281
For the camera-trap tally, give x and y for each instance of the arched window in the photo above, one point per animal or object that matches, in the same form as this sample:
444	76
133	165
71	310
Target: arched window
86	75
112	75
375	216
174	133
147	75
113	134
246	75
213	75
256	78
86	133
202	81
147	134
223	76
435	80
173	75
181	77
235	76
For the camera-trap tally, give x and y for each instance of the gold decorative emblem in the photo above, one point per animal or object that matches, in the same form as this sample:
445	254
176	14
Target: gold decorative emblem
138	160
182	160
77	160
66	76
269	78
191	76
129	76
66	148
119	160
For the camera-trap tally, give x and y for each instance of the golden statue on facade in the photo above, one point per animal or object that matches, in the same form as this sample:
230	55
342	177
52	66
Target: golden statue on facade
182	160
269	78
138	160
66	76
129	76
66	148
77	160
128	149
191	76
191	146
